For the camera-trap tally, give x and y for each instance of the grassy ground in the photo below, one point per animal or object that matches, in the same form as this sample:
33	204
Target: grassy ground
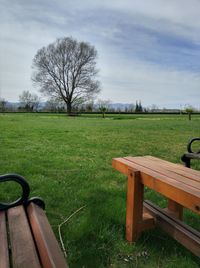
67	161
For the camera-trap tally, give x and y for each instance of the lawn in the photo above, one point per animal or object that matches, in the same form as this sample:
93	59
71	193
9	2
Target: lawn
67	161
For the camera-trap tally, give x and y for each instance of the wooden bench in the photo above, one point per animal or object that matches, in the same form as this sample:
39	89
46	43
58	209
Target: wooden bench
27	240
179	184
191	153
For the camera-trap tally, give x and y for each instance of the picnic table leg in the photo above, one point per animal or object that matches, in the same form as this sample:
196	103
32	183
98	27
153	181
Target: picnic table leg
175	209
134	207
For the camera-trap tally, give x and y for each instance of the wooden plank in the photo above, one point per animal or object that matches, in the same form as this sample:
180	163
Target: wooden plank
186	196
122	165
50	253
4	257
22	245
134	205
152	165
148	222
176	168
187	236
175	208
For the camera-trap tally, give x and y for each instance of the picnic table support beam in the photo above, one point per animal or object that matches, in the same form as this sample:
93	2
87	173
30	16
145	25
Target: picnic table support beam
175	209
136	221
181	232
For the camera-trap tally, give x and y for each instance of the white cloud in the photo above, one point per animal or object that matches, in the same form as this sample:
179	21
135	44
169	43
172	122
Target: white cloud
141	81
137	57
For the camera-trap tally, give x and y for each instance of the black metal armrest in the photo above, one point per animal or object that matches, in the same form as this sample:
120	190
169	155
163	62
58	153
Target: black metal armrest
24	199
189	146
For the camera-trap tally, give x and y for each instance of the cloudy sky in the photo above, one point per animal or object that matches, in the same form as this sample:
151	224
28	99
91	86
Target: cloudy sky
147	50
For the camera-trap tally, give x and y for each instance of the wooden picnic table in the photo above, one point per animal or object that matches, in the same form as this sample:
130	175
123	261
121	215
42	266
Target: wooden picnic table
181	185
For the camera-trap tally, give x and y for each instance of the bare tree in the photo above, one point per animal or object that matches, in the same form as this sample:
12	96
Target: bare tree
153	108
29	101
66	69
54	105
103	106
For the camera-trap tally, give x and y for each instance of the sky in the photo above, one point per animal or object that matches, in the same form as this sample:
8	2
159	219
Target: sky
147	50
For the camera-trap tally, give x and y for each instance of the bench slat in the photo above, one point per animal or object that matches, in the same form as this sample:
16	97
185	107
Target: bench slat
162	169
178	167
4	258
50	253
22	245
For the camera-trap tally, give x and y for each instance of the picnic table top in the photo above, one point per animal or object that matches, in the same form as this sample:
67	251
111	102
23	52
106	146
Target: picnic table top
176	182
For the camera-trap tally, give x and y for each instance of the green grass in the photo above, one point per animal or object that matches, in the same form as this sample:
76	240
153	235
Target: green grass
67	161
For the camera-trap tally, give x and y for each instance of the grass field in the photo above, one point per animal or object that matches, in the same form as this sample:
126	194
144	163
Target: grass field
67	161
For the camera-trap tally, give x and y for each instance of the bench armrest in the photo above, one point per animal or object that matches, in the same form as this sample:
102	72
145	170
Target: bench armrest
24	199
189	146
25	190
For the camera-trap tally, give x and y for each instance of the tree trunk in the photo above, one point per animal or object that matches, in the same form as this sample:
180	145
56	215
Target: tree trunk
189	114
69	107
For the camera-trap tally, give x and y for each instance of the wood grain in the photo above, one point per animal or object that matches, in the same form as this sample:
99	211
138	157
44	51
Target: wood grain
24	254
175	208
4	257
134	205
50	253
171	173
177	167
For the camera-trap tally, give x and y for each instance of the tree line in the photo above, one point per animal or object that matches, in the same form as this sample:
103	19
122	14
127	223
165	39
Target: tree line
31	102
65	71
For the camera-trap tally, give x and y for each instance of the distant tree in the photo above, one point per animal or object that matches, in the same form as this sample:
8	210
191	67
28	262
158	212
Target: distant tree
89	106
131	108
29	102
67	69
54	105
103	106
3	103
138	107
153	108
11	107
189	110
